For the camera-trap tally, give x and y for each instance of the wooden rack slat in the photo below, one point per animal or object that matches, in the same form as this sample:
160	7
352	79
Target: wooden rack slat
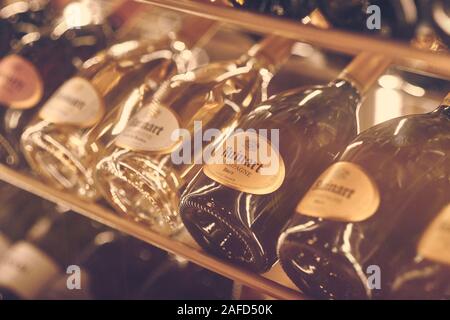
337	40
273	284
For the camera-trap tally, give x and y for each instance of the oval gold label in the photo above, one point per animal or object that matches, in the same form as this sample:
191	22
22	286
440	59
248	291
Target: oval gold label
247	162
435	242
150	130
344	192
77	102
21	86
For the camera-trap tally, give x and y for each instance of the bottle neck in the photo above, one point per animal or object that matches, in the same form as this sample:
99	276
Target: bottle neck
364	70
195	32
271	53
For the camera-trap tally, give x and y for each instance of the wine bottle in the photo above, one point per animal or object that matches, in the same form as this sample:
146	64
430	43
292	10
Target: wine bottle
416	264
112	267
177	279
30	74
17	218
138	175
237	206
398	19
19	212
293	9
71	130
357	202
30	265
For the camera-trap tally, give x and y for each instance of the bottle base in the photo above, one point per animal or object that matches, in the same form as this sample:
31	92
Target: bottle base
222	237
53	160
322	275
139	189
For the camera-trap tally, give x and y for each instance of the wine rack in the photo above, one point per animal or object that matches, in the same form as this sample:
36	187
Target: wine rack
274	284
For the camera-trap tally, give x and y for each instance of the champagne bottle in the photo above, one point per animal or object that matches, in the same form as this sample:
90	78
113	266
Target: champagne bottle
30	74
357	202
20	211
398	19
72	128
293	9
30	265
177	279
112	267
416	263
237	206
138	175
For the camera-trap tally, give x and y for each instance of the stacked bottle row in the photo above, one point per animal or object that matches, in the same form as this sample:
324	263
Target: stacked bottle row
252	179
393	19
49	253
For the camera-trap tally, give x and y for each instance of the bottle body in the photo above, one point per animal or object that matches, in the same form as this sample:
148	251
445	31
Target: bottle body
242	225
356	203
112	267
414	258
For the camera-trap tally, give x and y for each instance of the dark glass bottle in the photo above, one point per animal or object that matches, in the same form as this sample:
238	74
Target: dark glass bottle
112	267
30	265
177	279
20	211
358	202
293	9
414	260
32	72
398	19
236	211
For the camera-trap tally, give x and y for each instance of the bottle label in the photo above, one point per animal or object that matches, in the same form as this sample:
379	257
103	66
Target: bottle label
4	245
150	130
247	162
21	86
435	242
26	270
344	192
76	103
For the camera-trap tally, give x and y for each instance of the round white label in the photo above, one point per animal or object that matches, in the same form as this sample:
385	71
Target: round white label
344	192
247	162
150	130
77	102
21	86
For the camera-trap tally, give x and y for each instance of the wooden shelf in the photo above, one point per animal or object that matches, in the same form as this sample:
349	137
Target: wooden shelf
274	283
346	42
